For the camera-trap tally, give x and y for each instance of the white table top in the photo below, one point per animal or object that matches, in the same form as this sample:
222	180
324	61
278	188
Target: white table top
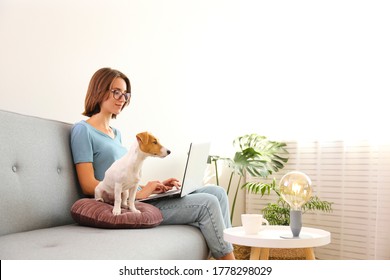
270	237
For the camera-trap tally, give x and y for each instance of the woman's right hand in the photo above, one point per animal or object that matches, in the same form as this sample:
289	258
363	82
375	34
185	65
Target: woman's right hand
151	187
157	187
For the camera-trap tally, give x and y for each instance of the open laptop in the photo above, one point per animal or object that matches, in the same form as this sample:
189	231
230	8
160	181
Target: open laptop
193	173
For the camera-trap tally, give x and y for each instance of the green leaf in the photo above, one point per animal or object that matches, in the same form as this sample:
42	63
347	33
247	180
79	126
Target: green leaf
257	156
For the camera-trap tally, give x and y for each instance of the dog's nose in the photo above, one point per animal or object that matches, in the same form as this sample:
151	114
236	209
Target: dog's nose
168	152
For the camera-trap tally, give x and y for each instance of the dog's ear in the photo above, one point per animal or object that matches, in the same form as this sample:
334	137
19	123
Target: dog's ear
142	137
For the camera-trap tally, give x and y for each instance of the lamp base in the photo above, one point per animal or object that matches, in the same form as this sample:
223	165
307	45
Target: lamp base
290	236
295	222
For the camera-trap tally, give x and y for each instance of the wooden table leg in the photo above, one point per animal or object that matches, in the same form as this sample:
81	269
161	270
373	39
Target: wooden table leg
264	254
309	253
255	253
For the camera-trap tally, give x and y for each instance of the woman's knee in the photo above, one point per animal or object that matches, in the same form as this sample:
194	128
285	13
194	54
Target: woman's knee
209	204
219	192
214	190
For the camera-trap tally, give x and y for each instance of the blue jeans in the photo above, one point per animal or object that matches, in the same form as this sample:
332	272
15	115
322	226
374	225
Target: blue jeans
206	208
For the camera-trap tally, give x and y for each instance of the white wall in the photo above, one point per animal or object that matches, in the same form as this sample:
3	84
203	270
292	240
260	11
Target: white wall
204	69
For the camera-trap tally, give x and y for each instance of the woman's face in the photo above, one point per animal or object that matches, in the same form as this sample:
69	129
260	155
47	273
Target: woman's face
112	105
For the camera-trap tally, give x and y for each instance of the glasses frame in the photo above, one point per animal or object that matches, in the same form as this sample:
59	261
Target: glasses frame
116	92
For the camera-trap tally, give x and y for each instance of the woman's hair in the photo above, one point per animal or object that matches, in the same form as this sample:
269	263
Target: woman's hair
98	90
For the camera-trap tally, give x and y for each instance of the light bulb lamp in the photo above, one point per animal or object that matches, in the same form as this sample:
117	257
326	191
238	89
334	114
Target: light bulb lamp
295	188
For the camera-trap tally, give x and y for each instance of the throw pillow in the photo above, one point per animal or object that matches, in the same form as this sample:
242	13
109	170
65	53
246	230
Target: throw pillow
89	212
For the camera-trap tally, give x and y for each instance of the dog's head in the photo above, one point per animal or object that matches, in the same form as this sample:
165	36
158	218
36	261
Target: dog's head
151	146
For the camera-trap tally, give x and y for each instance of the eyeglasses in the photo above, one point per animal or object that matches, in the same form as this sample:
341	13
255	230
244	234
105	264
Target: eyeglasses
117	94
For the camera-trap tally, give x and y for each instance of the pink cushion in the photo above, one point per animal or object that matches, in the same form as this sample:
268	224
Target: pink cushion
89	212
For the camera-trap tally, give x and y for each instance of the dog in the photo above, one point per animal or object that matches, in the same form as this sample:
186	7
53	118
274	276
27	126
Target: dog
122	178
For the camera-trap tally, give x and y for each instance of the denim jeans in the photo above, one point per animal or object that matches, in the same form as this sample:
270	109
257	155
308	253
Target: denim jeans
208	209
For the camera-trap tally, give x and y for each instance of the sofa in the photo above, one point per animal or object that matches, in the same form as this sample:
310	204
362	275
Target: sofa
37	190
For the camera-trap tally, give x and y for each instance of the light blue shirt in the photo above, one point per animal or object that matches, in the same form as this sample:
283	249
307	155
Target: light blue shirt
91	145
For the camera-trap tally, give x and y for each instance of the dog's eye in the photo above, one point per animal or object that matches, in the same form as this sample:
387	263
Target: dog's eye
155	142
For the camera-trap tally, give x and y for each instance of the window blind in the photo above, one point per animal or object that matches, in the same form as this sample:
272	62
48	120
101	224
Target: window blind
356	178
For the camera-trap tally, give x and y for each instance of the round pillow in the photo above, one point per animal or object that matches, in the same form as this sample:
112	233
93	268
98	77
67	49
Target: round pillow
92	213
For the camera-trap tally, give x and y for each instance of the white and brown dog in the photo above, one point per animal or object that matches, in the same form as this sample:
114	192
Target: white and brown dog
122	178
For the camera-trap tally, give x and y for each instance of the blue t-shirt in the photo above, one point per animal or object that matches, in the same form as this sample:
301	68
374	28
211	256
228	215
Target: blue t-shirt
91	145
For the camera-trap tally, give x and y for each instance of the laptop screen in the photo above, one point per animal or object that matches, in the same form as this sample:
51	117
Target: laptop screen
194	171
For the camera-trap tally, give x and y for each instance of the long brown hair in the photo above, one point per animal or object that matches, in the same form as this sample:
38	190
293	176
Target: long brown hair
98	90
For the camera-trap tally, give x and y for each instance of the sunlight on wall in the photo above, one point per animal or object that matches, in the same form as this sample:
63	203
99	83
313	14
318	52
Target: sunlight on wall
205	69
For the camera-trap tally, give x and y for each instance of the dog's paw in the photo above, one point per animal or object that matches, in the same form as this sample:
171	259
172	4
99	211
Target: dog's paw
116	211
135	210
125	206
99	199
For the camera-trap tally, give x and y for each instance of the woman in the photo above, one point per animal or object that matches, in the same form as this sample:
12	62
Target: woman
96	145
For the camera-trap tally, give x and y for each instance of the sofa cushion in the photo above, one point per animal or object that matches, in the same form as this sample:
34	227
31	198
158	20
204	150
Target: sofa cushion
74	242
92	213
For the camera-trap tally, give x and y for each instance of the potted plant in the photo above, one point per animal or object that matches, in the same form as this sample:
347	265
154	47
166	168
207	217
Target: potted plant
257	156
260	157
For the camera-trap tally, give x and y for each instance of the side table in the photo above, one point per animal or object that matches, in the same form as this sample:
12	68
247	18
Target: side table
273	237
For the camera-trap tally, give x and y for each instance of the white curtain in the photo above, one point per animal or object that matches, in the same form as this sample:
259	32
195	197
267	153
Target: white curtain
355	176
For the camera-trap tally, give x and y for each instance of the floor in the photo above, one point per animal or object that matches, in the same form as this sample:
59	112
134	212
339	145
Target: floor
243	253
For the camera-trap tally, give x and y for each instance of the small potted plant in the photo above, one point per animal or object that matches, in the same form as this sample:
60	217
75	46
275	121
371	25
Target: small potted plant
278	212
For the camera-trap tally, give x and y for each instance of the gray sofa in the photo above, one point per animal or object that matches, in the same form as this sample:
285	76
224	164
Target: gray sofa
37	189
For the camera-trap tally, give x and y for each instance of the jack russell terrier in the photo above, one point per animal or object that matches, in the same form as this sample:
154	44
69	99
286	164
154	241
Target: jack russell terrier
122	178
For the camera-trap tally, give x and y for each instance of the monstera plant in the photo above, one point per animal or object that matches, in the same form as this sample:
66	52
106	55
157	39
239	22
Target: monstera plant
257	156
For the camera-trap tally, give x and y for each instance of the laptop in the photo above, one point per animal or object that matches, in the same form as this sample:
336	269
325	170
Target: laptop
193	173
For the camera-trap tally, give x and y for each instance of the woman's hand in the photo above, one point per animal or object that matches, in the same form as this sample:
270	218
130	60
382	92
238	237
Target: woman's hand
157	187
172	182
154	187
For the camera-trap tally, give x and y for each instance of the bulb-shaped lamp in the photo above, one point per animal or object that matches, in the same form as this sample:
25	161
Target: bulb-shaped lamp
295	188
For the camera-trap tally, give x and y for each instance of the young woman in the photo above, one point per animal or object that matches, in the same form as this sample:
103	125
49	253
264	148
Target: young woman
96	145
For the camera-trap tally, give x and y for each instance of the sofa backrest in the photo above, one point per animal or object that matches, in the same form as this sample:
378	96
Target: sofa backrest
38	182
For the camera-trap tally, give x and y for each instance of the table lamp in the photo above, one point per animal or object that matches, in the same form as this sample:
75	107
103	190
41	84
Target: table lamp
295	189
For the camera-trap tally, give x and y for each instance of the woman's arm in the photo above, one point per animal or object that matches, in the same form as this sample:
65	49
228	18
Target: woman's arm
86	178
